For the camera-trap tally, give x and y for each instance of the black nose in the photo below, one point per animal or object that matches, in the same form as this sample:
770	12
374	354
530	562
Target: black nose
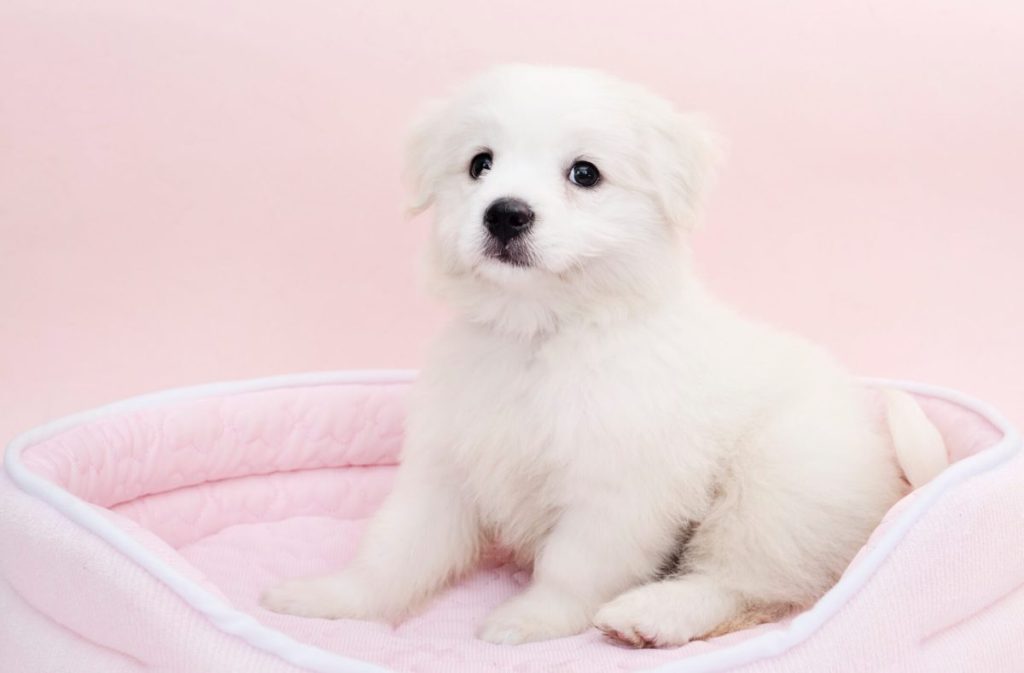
508	218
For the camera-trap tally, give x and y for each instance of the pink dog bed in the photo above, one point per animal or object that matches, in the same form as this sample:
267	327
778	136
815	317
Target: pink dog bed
137	537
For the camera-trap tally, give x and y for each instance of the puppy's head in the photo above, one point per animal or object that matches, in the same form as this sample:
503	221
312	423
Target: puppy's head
556	190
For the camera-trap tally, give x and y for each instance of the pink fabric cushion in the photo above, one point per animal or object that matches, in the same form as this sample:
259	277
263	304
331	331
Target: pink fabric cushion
236	491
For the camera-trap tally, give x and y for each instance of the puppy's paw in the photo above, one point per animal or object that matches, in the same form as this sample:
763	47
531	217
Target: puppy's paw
331	597
642	617
525	619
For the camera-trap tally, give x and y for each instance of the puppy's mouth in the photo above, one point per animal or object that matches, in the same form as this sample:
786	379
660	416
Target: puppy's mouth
514	253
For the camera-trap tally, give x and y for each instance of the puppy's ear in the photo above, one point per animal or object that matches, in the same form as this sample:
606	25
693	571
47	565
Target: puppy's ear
423	165
684	156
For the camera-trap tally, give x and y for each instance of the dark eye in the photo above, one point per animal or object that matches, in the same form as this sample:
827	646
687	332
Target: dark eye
480	164
584	174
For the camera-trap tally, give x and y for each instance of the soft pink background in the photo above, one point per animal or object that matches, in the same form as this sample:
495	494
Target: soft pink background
194	191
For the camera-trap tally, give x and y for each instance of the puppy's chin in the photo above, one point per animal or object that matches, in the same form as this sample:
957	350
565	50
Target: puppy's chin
506	272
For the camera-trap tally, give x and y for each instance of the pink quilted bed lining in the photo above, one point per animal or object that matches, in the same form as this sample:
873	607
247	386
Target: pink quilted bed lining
238	491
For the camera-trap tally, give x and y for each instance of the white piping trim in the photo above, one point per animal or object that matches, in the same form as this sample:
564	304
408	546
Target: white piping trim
234	622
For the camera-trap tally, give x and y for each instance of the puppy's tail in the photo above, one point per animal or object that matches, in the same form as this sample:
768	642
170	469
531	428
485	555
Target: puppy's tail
920	450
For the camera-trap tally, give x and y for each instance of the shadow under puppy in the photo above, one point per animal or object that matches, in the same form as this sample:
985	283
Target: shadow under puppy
668	469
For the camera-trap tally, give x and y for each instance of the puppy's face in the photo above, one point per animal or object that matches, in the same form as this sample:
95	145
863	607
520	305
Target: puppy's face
542	177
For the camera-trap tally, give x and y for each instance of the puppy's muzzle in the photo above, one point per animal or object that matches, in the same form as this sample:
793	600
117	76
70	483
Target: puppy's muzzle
507	219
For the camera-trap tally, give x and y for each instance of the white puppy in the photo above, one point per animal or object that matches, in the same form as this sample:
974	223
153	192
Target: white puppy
668	469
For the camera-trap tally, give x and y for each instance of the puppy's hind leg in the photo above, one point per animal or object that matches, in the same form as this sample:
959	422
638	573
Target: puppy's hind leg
670	612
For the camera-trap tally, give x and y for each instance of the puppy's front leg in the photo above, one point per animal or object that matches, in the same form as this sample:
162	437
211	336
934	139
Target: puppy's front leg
591	555
423	535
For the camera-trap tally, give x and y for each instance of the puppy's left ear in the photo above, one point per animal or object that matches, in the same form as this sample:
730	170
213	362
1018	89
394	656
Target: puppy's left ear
684	157
423	160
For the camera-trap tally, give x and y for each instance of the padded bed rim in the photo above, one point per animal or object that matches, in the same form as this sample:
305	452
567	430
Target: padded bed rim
245	627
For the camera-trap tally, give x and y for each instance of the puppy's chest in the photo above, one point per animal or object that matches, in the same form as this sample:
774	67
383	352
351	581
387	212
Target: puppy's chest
530	434
516	434
514	455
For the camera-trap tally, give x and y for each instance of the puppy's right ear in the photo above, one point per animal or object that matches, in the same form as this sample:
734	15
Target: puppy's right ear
685	155
423	156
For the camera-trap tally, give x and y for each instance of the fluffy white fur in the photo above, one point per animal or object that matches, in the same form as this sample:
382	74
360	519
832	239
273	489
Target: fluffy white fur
587	410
